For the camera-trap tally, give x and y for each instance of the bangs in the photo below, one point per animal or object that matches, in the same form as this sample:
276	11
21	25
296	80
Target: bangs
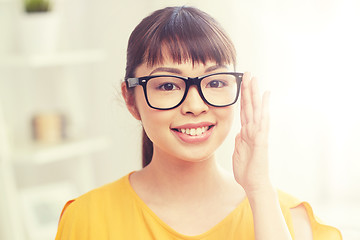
187	36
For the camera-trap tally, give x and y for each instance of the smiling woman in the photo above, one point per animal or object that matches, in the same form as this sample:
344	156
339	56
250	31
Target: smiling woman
182	85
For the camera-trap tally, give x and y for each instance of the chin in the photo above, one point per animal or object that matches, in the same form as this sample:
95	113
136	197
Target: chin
194	158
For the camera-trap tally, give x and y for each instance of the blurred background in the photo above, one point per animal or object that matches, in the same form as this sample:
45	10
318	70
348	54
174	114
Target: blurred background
64	128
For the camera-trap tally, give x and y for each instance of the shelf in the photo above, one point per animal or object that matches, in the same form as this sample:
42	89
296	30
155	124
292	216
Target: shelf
41	153
56	59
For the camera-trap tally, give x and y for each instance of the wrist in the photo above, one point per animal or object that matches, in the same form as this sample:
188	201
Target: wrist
264	191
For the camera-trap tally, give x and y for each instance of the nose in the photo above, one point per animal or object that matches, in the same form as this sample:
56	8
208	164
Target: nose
193	103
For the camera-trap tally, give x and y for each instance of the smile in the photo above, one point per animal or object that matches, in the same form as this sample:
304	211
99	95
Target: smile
193	131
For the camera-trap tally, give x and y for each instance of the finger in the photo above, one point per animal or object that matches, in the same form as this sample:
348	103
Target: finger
247	108
242	108
265	115
256	100
242	115
242	112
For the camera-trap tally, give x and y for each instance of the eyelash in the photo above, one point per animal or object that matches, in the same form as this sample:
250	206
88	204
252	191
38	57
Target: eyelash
217	81
161	87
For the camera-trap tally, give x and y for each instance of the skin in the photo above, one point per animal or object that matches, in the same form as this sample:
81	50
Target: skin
182	177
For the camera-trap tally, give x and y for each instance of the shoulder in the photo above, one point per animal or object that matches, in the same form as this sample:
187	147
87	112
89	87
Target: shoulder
95	212
302	221
103	193
97	204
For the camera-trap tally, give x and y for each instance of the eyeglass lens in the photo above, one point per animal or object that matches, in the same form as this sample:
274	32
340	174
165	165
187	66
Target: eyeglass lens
167	92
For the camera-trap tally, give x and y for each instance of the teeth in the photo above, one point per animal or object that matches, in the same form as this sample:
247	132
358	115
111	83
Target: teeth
199	131
194	131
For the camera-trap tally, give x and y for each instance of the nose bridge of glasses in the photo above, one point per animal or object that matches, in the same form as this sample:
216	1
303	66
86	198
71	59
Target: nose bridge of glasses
195	82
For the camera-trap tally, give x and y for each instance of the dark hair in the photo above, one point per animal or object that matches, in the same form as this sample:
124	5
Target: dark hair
186	33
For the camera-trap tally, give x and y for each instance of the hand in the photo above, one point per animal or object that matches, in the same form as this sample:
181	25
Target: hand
250	158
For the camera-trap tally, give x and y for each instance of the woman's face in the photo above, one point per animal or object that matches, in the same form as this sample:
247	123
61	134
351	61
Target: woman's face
192	131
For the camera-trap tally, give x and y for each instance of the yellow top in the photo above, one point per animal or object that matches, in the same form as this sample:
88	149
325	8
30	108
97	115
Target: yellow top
116	212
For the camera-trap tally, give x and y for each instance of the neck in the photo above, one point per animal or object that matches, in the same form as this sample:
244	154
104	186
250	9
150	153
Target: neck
178	179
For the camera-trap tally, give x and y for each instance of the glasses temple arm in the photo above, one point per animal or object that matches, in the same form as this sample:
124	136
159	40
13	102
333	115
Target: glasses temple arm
132	82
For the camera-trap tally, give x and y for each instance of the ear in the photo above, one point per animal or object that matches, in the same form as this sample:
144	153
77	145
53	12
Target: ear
130	101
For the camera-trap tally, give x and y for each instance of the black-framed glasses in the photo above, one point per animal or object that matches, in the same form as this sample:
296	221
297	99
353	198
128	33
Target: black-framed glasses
166	92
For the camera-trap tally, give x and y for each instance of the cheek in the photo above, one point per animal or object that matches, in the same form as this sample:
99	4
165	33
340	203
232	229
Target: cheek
157	126
141	104
227	114
152	120
139	97
226	117
146	113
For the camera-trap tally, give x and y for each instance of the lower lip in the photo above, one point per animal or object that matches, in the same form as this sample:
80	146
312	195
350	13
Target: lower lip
194	139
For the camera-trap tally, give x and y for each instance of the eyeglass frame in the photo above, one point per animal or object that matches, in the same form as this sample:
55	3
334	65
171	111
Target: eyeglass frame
142	81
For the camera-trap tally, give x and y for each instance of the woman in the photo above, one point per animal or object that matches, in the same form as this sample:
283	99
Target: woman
182	85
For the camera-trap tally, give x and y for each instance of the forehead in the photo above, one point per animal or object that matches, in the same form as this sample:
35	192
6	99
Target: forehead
182	69
168	64
180	52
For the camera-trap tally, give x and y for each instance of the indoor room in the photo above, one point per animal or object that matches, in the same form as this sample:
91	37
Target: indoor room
65	128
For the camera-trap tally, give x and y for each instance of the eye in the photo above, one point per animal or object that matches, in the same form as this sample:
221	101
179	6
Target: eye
216	84
168	87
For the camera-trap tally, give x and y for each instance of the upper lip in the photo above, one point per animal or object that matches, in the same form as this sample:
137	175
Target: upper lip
194	125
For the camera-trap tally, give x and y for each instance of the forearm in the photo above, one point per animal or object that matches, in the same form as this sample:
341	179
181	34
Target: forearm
269	222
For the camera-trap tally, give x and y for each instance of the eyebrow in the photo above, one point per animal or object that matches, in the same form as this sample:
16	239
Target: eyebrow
215	67
166	69
178	71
